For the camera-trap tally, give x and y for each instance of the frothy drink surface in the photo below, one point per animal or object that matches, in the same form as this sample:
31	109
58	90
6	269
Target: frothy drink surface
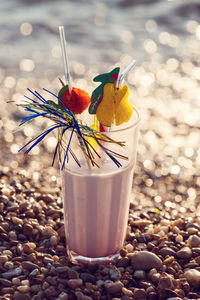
96	209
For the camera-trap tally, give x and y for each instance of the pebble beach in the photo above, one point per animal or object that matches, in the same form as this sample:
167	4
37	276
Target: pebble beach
161	255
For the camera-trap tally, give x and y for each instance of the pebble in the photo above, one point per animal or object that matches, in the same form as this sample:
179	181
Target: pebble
28	229
63	296
114	287
50	292
23	288
165	282
184	253
12	273
145	260
139	294
193	277
8	265
87	277
51	280
48	260
72	274
167	251
17	221
21	296
34	273
29	265
3	259
5	282
53	240
29	247
7	290
16	281
114	274
75	283
139	274
48	231
193	241
62	269
123	262
127	292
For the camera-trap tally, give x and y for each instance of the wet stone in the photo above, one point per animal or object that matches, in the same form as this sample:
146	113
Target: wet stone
62	269
145	260
114	287
114	274
29	265
63	296
87	277
28	229
123	262
21	296
165	281
12	273
139	294
50	292
5	282
193	241
72	274
167	251
139	274
48	260
17	221
7	290
3	259
193	277
51	280
23	288
75	283
184	253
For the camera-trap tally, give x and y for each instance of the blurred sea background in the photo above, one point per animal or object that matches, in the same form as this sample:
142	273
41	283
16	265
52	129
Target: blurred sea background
164	38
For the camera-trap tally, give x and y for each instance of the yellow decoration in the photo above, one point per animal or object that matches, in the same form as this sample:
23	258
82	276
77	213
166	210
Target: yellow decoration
94	126
114	106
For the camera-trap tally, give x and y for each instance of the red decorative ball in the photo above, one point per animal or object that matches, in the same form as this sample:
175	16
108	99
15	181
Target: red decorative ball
77	101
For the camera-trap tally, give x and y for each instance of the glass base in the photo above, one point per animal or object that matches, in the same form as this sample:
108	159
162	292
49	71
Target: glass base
79	259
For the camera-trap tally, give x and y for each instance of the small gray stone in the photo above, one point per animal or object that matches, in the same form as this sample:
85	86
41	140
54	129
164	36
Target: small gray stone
145	260
184	253
34	273
12	273
114	273
100	282
114	287
139	274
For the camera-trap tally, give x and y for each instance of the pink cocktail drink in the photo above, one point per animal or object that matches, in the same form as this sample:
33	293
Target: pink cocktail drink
96	202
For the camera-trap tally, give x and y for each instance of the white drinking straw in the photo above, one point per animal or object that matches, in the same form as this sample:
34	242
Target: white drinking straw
64	54
123	74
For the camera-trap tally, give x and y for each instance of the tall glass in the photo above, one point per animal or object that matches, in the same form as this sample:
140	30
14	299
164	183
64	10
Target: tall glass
96	200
